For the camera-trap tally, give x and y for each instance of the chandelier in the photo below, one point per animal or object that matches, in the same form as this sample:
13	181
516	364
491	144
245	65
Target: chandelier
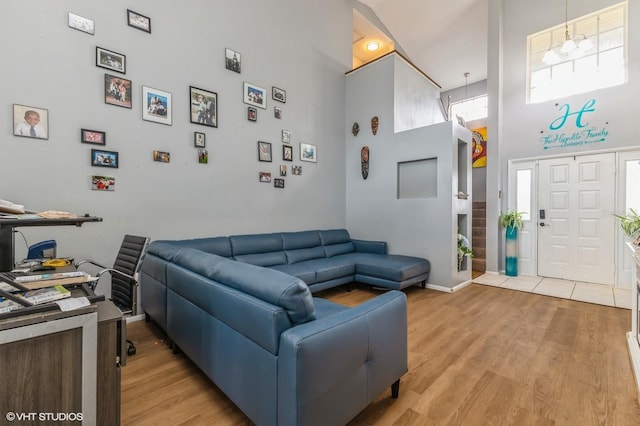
568	48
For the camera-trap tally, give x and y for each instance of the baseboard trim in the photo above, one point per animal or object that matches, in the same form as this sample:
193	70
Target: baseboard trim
449	289
634	356
135	318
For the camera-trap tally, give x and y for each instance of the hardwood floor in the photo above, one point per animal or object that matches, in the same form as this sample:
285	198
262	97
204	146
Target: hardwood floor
481	356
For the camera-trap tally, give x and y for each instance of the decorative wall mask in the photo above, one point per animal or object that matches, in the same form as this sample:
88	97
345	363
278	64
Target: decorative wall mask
355	129
364	162
374	125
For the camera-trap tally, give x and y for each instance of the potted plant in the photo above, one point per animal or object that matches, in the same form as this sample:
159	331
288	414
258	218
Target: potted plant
464	249
630	224
511	221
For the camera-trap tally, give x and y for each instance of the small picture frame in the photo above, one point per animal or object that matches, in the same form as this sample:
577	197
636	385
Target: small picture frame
308	152
100	158
161	156
286	136
277	112
278	183
156	105
136	20
283	170
117	91
31	122
103	183
81	23
199	140
203	156
296	170
278	95
264	151
264	177
252	114
232	60
204	107
287	152
94	137
111	60
254	96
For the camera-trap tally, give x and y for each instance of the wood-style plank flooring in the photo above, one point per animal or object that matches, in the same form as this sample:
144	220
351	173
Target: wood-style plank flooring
480	356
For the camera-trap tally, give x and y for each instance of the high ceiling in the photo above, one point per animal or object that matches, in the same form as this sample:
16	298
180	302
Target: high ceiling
444	38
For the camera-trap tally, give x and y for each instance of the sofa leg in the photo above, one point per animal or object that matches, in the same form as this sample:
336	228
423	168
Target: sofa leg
424	284
395	389
147	318
174	348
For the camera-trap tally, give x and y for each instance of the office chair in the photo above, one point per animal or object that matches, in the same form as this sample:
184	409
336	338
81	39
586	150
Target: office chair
124	276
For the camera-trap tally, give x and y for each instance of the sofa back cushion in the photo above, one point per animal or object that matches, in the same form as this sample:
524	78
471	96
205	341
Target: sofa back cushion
272	286
259	249
167	248
336	241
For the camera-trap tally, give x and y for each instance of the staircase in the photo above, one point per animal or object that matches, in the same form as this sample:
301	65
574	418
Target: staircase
479	236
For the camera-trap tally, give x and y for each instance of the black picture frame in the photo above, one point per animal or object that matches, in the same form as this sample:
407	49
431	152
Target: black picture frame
93	137
30	121
287	153
81	23
252	114
117	91
264	152
110	60
199	140
138	21
101	158
232	60
203	107
278	183
278	94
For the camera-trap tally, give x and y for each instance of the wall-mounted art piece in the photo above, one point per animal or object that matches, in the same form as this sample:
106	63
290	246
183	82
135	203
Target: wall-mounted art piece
136	20
286	136
204	107
308	152
287	152
203	156
283	170
161	156
264	151
232	60
364	162
374	125
355	129
277	112
100	158
156	105
117	91
278	95
278	183
94	137
111	60
32	122
296	170
81	23
264	177
479	151
199	140
252	114
103	183
254	95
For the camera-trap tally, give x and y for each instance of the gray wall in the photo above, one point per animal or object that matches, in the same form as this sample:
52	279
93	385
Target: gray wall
303	47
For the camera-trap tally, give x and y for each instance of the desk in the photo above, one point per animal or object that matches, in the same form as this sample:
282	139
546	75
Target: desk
9	223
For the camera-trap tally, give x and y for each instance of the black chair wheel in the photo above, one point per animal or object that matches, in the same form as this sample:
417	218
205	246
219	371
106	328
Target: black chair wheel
131	349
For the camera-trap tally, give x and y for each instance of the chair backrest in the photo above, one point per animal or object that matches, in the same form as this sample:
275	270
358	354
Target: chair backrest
128	261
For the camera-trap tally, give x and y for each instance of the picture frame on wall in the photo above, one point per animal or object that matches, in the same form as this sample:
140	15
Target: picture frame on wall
232	60
156	105
111	60
100	158
278	183
264	177
81	23
264	151
278	95
161	156
199	140
287	152
117	91
31	122
252	114
277	112
94	137
286	136
138	21
308	152
103	183
254	95
204	107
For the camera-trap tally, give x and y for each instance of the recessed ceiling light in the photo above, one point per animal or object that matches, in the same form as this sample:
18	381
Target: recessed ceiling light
373	45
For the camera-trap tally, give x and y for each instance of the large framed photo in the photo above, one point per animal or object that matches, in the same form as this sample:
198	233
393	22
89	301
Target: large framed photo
117	91
31	122
94	137
156	105
100	158
232	60
308	152
264	151
111	60
254	95
204	107
278	95
136	20
81	23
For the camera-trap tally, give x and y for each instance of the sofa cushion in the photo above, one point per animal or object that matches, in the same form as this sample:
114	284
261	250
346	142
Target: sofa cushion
270	285
334	236
295	256
306	272
259	249
218	245
300	240
263	259
331	268
338	249
391	267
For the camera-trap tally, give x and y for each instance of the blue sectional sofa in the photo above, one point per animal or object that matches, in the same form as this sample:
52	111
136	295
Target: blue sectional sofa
242	310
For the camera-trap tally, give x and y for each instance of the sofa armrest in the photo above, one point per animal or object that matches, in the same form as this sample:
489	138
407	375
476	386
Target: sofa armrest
363	246
330	369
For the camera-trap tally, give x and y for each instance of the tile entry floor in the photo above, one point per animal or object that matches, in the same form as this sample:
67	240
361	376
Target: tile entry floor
583	292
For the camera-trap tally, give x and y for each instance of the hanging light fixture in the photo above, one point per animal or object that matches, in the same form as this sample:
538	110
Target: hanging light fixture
570	47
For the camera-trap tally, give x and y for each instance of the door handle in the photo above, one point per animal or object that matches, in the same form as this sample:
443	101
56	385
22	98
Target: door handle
544	224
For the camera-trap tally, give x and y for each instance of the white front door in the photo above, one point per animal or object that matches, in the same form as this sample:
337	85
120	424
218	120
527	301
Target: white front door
576	235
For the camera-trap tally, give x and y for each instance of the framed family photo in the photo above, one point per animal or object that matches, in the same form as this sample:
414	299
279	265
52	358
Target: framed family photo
32	122
199	140
156	105
254	95
117	91
204	107
232	60
111	60
264	151
100	158
81	23
308	152
136	20
252	114
287	152
94	137
278	95
161	156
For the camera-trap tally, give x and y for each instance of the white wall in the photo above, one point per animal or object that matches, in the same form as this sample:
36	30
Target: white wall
303	47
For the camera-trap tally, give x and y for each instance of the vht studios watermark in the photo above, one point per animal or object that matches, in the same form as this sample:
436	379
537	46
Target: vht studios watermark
43	417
